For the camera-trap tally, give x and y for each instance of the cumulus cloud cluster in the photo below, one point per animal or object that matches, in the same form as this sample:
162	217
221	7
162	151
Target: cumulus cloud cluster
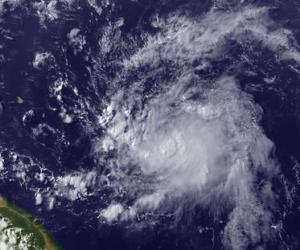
203	151
198	142
189	141
14	237
185	39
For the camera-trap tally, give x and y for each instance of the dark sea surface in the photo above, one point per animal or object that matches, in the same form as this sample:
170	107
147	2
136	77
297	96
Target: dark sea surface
54	129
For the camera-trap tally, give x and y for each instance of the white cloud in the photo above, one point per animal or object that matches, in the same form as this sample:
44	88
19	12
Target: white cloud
1	163
96	6
184	39
46	10
196	141
75	185
12	237
40	58
38	199
76	40
112	212
12	3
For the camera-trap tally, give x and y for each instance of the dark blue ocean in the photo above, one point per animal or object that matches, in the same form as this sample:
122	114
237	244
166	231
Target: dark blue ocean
62	61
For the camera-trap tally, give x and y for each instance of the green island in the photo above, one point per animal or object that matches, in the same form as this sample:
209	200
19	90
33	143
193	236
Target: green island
20	231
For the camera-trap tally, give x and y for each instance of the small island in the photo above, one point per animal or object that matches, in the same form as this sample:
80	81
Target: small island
20	231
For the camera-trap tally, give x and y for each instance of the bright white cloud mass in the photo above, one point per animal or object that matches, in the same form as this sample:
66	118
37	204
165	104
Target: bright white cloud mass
189	141
196	142
195	151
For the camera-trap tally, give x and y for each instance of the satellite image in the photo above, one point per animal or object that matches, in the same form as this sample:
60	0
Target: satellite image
149	124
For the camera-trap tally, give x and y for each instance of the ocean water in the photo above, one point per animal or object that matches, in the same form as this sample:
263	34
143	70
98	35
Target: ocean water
153	124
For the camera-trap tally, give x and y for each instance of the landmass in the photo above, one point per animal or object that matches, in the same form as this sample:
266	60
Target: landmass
19	230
